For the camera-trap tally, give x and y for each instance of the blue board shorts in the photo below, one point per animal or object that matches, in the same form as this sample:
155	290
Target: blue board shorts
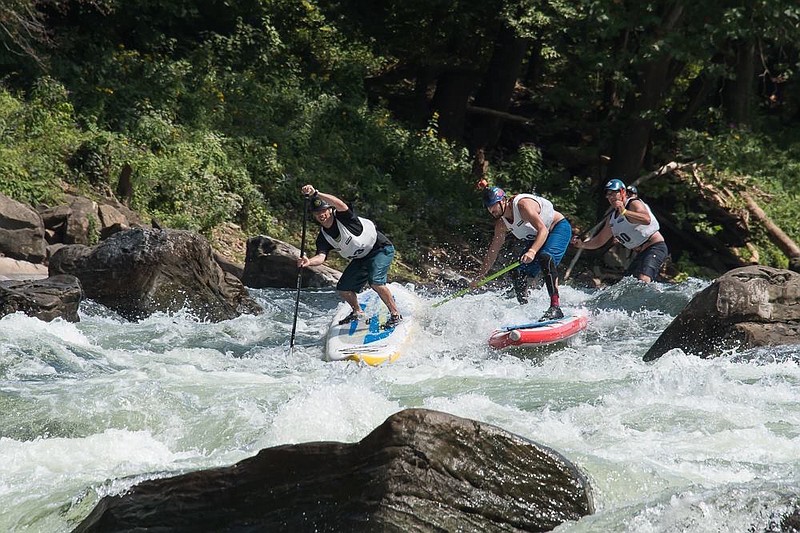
555	245
648	262
373	269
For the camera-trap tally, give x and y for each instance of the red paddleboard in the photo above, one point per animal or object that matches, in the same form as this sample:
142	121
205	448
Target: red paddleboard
538	333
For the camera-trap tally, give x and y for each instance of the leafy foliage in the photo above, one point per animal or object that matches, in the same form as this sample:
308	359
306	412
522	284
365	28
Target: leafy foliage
225	109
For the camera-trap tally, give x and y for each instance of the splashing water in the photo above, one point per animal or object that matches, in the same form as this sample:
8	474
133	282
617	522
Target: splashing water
680	444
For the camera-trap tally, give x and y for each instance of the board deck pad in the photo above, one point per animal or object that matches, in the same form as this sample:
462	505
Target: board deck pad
365	340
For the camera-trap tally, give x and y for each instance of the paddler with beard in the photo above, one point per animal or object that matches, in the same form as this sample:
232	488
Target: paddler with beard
543	233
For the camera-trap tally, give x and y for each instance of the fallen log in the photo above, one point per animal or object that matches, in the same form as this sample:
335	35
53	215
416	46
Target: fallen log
776	234
477	110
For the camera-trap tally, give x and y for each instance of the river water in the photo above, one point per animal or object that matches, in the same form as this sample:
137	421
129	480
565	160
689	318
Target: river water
679	444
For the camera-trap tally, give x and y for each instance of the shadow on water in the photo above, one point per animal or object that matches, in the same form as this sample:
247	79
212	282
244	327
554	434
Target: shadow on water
630	294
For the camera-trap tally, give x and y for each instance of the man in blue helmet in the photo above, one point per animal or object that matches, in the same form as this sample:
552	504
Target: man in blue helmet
355	238
544	234
633	224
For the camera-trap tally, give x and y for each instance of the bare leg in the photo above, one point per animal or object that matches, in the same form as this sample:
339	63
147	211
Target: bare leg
386	295
351	298
644	278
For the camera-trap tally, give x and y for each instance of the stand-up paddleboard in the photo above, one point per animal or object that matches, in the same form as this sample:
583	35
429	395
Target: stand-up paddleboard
365	340
538	333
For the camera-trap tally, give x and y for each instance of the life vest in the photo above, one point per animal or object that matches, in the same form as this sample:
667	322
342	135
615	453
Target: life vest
524	230
352	246
629	234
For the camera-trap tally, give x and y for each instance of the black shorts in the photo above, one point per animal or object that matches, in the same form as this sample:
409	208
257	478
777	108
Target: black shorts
648	262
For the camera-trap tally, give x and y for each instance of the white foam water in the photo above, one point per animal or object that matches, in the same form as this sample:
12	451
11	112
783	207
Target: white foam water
679	444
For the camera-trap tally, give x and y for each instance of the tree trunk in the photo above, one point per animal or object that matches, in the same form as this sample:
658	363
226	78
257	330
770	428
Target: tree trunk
534	72
420	107
453	89
633	139
738	93
497	87
695	95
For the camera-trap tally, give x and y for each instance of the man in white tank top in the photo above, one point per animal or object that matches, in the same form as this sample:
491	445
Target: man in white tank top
632	224
544	234
357	239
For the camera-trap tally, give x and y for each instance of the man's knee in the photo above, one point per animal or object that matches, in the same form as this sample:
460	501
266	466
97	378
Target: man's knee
546	261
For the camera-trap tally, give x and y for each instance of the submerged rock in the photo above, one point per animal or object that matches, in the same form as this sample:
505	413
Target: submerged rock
420	470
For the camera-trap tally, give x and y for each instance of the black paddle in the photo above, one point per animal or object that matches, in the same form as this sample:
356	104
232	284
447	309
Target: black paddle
299	274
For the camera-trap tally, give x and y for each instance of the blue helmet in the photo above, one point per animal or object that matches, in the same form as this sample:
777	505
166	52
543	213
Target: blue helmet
492	195
615	185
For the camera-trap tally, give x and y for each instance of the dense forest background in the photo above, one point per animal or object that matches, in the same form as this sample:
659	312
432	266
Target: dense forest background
203	113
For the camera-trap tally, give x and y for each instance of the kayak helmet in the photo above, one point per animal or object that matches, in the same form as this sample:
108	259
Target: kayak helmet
632	190
492	195
318	204
615	185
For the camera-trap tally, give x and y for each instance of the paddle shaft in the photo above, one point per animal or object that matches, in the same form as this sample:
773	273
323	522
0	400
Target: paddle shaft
299	275
592	233
481	283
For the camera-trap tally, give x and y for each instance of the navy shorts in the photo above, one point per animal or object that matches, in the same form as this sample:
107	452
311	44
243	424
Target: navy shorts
648	262
373	269
555	245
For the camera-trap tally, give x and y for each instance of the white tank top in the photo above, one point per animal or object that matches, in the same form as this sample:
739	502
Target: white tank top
352	246
524	230
629	234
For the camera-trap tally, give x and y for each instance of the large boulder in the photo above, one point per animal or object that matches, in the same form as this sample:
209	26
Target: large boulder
45	299
141	271
744	308
420	470
21	231
273	263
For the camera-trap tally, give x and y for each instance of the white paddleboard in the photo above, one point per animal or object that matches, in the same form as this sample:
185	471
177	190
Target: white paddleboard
365	340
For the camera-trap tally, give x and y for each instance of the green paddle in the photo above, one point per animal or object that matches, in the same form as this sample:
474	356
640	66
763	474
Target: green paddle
481	283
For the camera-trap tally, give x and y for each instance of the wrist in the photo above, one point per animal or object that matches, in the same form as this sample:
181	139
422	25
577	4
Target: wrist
622	213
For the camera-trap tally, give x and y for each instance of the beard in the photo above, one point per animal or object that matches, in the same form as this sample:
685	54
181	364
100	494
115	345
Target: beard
502	210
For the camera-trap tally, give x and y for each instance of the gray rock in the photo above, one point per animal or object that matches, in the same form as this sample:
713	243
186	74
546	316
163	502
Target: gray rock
744	308
15	269
45	299
141	271
273	263
21	231
420	470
